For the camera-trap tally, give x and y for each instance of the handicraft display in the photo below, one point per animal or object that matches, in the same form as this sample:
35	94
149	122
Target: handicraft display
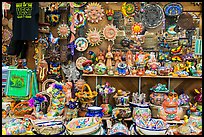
94	12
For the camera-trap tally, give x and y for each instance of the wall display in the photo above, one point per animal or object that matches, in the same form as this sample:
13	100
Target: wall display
94	12
94	37
63	30
152	16
110	32
79	18
81	44
80	61
173	9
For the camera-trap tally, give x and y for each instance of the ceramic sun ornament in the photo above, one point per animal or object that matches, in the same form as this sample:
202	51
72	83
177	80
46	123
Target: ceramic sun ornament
110	32
137	28
94	37
63	30
94	12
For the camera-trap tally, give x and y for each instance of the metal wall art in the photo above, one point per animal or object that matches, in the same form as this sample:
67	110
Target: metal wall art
94	12
173	9
94	37
81	44
63	30
110	32
152	15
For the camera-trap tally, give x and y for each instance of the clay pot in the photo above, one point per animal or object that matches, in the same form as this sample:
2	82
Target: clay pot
157	98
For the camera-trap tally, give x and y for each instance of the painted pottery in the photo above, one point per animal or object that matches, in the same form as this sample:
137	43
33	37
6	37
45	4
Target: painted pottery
198	97
106	109
151	126
121	98
195	121
121	112
100	68
141	111
94	111
84	125
157	98
119	129
170	109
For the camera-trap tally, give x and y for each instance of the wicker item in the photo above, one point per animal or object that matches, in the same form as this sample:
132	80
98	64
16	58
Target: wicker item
22	109
44	84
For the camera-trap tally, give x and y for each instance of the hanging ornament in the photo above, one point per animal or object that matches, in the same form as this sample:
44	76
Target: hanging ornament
94	37
109	14
72	74
173	9
110	32
72	46
152	16
94	12
137	28
53	18
63	30
79	18
81	44
6	35
129	8
79	62
52	39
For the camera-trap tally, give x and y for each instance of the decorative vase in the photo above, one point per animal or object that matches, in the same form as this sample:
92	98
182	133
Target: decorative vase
141	111
157	98
106	109
94	112
196	120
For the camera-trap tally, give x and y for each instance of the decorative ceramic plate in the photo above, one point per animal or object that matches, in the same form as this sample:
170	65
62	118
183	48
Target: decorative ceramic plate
81	44
137	28
79	18
79	62
185	21
78	4
119	129
129	8
152	16
94	12
63	30
110	32
173	9
94	37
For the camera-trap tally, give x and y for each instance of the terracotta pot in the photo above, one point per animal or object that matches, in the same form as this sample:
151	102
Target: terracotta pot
157	98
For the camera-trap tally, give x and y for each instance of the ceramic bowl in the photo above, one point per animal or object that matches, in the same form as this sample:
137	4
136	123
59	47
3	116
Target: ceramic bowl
94	111
119	129
151	127
84	125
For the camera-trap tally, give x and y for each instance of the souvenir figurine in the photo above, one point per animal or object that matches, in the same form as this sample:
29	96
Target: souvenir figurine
170	109
121	98
42	70
140	70
93	56
122	67
87	67
109	57
129	58
198	97
117	59
109	14
79	83
101	57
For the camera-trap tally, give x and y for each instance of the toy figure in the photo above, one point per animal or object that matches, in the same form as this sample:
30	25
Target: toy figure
42	70
170	109
69	86
93	56
54	68
140	70
117	59
109	14
129	58
109	57
87	67
101	57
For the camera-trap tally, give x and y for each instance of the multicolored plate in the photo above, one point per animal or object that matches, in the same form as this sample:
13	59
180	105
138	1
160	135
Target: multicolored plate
79	18
79	62
152	16
129	8
63	30
81	44
173	9
110	32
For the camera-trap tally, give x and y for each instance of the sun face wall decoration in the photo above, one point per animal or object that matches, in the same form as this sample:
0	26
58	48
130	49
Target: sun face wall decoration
94	12
129	8
94	37
110	32
63	30
137	28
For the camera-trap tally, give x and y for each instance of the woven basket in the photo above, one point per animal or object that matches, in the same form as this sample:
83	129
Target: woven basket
22	109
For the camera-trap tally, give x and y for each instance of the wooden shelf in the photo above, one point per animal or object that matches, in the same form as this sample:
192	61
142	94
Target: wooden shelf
135	76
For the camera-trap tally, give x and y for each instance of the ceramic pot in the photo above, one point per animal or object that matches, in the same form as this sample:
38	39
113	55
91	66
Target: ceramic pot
119	129
122	100
94	112
106	109
121	112
197	120
141	111
157	98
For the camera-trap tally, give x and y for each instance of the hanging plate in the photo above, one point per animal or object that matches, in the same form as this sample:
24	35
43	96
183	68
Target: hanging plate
129	8
94	37
110	32
94	12
63	30
78	4
152	16
185	21
79	62
81	44
173	9
137	28
79	18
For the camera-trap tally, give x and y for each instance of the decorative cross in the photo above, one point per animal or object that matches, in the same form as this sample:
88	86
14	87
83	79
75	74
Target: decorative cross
72	46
